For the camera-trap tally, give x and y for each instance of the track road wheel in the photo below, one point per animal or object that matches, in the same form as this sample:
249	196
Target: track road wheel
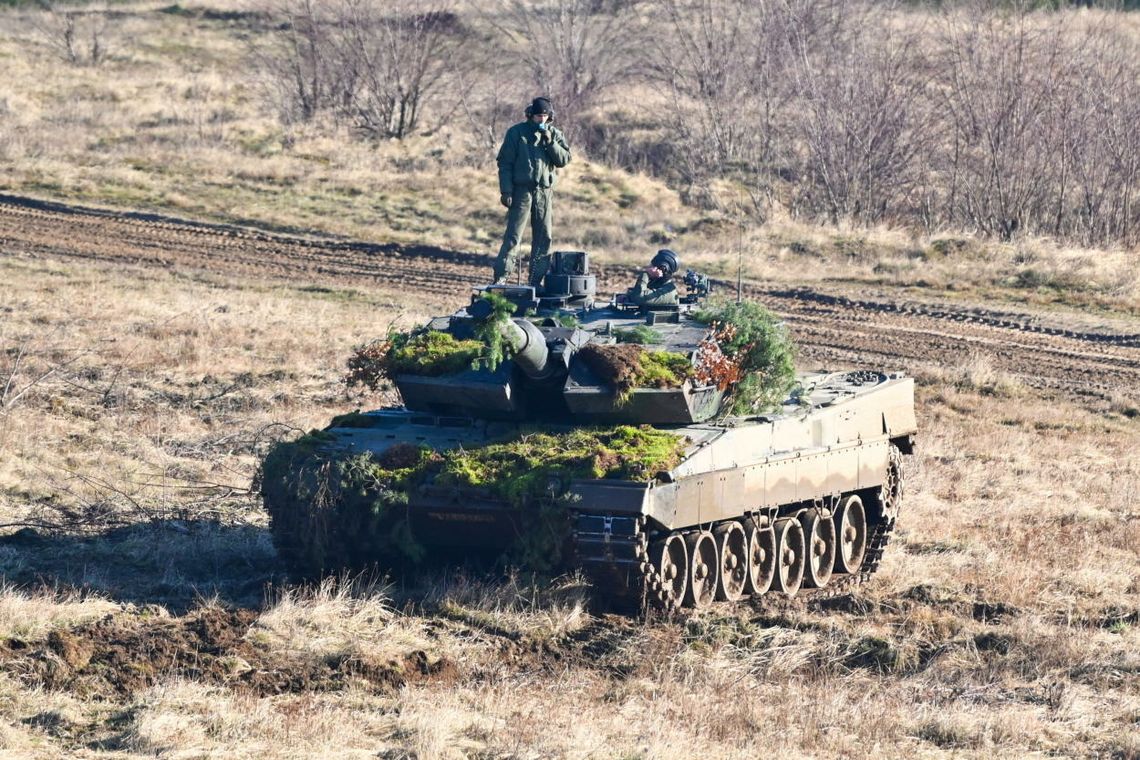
851	535
670	560
761	560
732	547
819	541
789	556
704	569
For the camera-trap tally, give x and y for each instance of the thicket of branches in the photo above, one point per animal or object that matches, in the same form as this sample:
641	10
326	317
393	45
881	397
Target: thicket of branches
1003	121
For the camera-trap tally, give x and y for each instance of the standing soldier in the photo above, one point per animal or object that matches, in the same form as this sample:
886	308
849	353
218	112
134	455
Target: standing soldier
529	160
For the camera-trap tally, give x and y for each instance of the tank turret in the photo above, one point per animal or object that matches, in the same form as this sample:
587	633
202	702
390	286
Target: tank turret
568	358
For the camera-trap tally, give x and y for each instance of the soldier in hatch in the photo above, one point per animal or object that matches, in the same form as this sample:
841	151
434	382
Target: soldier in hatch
655	286
529	159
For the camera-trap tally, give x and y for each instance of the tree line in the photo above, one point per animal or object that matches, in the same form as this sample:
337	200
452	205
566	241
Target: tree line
1002	119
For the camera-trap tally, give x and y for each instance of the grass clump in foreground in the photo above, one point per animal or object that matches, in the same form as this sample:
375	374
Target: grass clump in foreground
331	510
752	338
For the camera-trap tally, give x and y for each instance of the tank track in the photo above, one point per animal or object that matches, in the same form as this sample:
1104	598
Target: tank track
616	561
614	553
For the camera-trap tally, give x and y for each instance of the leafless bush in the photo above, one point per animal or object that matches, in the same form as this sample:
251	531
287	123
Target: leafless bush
1004	96
488	104
298	65
1039	116
1004	122
573	51
397	55
858	86
374	64
722	65
80	37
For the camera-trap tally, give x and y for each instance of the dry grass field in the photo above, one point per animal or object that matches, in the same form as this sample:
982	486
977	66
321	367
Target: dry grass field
144	611
1003	623
176	119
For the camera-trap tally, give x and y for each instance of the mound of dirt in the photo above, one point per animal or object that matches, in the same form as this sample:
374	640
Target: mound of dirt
127	652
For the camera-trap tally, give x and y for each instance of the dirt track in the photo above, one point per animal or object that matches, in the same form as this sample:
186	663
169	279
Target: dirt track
1093	363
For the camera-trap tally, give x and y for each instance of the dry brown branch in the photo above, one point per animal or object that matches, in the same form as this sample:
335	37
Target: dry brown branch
572	51
79	36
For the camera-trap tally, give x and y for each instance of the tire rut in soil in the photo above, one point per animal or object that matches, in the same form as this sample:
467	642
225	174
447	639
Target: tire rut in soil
830	328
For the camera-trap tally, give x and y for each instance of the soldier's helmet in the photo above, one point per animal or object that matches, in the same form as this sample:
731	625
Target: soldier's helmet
540	105
666	261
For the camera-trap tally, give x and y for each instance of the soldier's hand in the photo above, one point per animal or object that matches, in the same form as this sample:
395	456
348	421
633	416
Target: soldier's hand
545	137
505	200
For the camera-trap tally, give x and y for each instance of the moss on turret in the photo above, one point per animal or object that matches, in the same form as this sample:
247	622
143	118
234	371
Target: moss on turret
626	366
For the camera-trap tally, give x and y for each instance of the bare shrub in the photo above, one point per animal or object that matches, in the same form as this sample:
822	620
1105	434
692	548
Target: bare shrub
373	64
722	66
80	37
859	85
1000	93
574	50
488	104
396	55
1005	122
1037	112
298	65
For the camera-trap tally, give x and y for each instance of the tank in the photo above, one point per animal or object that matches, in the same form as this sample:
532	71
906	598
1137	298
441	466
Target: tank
658	491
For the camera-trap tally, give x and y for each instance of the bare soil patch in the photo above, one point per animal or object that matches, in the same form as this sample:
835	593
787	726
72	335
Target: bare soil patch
126	653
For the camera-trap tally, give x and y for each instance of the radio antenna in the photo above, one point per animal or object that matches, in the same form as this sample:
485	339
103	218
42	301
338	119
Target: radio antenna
740	247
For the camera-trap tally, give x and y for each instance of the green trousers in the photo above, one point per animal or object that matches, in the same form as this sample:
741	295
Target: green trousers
533	204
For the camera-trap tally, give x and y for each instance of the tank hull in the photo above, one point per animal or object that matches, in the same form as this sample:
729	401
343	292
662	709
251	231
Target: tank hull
841	439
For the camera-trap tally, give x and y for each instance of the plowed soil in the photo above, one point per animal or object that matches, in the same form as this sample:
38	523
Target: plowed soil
125	653
1079	357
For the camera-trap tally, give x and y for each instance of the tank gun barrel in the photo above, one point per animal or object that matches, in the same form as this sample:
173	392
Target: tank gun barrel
531	353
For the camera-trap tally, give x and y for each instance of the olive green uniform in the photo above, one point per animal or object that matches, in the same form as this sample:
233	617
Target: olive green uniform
646	292
528	164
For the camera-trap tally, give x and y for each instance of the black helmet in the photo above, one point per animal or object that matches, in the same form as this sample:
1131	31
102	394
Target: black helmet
667	261
540	105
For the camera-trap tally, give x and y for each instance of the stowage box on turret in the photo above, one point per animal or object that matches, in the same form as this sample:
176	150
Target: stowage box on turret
555	439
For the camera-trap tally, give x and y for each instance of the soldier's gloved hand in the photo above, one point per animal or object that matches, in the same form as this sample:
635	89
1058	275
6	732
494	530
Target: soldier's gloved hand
505	200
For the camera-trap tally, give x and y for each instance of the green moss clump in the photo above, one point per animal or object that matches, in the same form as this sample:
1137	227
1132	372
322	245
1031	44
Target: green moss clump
663	369
330	511
625	366
351	420
543	464
760	343
427	352
640	334
432	353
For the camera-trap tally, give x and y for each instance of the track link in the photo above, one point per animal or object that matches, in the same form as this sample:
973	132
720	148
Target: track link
614	551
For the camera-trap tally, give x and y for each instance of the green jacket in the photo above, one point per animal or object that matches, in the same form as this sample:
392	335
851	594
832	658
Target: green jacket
646	292
523	160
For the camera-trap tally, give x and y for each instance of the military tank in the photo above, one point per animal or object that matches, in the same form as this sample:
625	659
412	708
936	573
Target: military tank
655	483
